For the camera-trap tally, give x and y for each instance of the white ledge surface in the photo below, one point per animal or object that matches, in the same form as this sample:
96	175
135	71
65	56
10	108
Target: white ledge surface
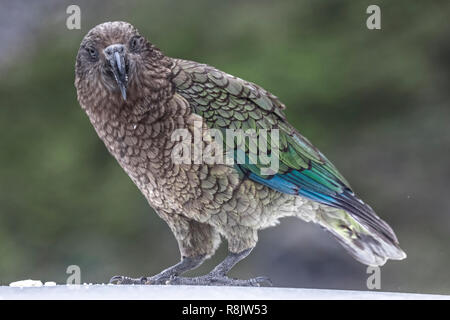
196	293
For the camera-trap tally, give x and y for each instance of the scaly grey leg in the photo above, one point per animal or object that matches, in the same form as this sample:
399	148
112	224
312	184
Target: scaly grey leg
218	276
186	264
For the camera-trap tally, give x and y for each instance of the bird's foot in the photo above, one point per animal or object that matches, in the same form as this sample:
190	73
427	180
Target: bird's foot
213	279
155	280
126	280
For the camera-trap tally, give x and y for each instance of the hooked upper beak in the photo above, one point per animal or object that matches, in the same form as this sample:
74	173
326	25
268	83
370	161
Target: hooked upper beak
115	55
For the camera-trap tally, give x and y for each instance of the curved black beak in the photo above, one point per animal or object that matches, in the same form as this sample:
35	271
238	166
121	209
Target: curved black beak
115	54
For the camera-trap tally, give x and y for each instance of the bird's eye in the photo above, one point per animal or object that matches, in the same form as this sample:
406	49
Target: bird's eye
93	53
135	43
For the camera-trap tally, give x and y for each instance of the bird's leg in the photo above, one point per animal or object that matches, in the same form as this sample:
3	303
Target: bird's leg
165	276
218	276
200	243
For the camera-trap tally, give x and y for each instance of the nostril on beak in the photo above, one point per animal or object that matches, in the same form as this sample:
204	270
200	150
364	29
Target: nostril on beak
109	51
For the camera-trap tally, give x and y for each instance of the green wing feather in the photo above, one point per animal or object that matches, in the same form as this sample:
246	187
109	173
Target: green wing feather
225	101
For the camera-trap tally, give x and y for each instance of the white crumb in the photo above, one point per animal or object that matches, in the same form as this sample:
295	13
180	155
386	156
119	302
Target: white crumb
26	283
50	284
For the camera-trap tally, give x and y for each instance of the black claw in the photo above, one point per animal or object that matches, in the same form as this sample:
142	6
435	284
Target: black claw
144	280
171	279
118	280
262	280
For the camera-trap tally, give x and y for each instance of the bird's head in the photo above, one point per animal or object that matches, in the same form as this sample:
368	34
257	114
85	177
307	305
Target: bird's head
114	60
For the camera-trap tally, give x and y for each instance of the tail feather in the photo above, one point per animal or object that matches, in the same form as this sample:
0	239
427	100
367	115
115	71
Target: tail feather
365	215
362	233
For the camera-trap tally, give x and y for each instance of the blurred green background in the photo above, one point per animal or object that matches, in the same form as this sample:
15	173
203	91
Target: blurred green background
375	102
